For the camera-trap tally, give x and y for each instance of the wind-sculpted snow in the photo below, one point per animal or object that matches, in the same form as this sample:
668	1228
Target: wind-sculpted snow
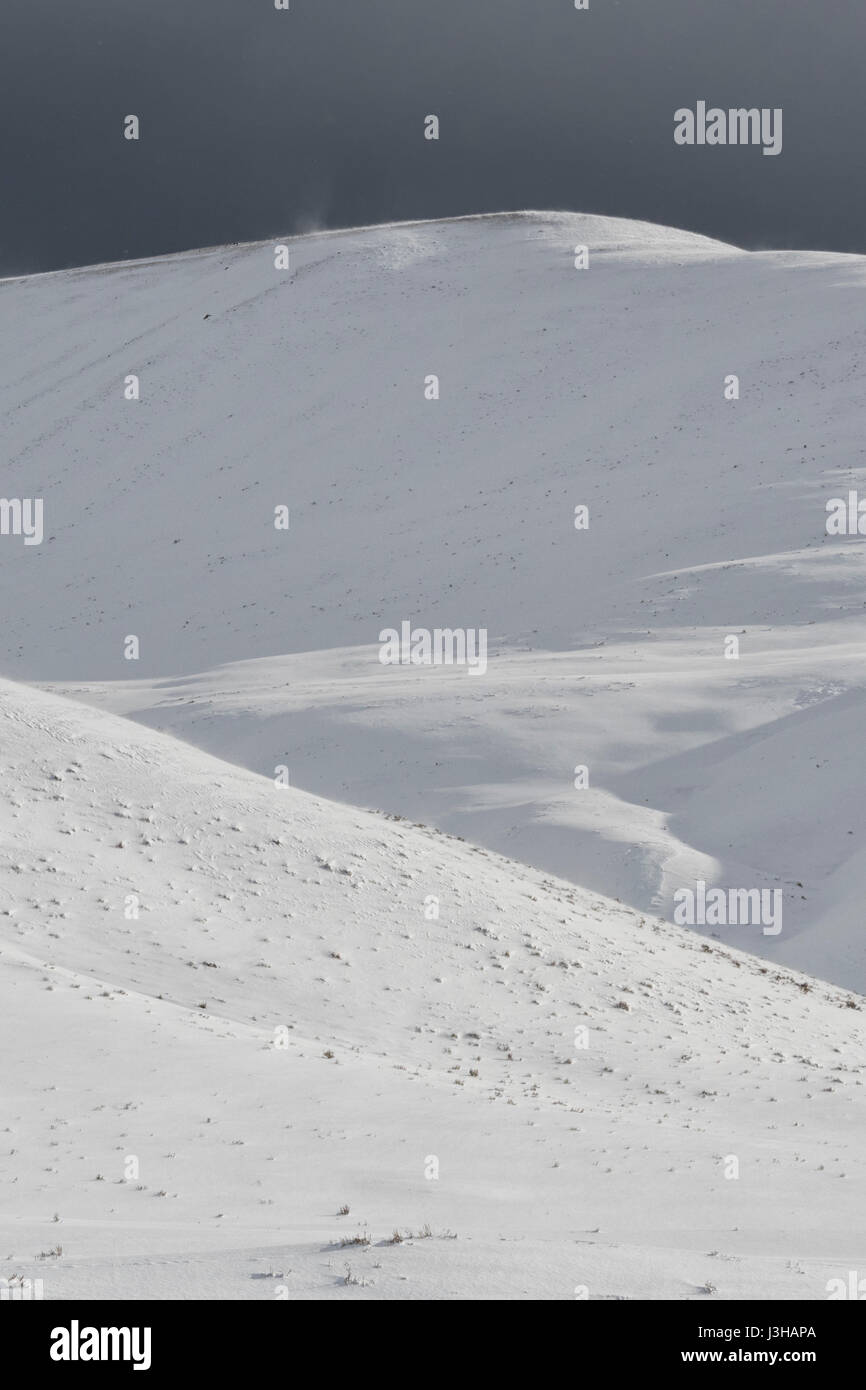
607	647
229	1007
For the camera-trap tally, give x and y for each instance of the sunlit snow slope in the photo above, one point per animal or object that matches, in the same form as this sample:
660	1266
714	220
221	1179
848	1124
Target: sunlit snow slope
559	387
225	1014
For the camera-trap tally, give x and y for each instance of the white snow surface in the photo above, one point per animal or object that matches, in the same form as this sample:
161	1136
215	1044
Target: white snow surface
559	388
561	1166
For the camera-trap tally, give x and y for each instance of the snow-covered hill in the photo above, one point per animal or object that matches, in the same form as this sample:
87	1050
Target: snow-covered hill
228	1009
559	387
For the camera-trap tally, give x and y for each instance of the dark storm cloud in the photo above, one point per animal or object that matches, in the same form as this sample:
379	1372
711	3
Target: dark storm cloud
256	122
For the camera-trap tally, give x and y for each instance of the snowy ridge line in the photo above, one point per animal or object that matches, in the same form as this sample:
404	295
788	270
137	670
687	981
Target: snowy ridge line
420	1065
654	229
608	387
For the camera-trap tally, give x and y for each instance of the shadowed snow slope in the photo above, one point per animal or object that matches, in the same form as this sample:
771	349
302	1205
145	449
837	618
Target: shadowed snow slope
224	1013
559	388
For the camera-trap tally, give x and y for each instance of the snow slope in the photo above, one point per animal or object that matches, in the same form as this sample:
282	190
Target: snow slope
407	1038
559	387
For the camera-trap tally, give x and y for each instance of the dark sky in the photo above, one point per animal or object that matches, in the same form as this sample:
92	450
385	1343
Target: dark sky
256	123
